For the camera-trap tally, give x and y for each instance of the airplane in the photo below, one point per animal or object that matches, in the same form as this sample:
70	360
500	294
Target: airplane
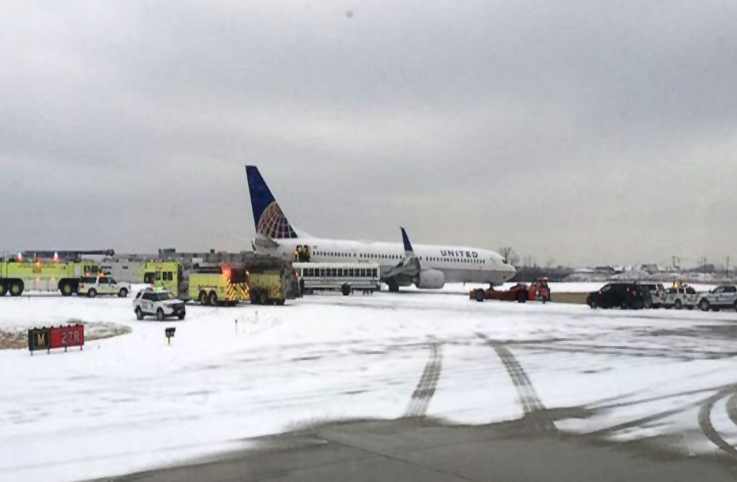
401	264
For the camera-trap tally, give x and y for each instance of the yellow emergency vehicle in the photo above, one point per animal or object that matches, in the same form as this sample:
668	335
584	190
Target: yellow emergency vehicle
215	285
218	284
268	287
19	275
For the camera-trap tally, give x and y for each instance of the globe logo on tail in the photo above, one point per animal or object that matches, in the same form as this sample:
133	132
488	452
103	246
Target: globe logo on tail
274	224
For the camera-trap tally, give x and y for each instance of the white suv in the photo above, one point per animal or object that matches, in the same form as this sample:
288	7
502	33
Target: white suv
657	292
160	304
91	286
679	298
720	297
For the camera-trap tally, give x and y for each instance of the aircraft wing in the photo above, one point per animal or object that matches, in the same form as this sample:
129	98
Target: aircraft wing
410	265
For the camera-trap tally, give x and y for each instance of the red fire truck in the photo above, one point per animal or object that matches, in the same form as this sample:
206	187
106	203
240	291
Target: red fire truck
521	293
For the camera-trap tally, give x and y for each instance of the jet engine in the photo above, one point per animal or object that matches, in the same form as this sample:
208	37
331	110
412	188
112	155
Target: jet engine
430	279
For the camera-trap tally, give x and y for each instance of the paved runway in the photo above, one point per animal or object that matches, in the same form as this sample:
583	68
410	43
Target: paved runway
425	451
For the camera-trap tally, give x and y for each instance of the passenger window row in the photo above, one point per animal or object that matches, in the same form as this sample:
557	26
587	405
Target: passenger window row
336	254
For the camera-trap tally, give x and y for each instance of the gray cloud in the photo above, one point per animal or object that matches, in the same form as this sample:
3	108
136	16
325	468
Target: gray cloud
589	132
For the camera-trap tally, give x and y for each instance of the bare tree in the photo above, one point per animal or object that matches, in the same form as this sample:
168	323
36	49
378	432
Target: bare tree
509	255
529	262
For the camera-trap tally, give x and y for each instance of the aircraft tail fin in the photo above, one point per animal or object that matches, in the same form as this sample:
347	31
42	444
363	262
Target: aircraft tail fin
268	218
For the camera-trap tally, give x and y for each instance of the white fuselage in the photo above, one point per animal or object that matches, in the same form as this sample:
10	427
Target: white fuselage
458	264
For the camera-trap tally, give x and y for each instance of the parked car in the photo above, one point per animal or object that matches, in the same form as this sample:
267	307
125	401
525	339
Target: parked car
91	286
657	293
718	298
679	298
620	295
161	304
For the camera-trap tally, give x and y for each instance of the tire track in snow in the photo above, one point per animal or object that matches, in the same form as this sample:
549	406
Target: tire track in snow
428	383
707	427
644	352
732	408
534	410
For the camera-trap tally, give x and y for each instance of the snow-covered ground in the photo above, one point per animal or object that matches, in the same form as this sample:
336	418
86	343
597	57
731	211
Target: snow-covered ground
132	402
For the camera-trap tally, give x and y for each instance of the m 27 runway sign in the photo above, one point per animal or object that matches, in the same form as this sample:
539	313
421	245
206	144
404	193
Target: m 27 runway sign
59	337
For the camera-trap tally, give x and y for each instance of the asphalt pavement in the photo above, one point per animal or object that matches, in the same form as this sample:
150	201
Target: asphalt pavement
419	449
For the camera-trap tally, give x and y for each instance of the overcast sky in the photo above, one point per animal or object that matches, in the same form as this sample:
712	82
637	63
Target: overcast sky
583	132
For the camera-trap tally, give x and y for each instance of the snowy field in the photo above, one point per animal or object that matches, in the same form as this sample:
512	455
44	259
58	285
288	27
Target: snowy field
131	402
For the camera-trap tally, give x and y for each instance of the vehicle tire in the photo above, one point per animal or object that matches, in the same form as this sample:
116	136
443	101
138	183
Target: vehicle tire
139	313
704	305
16	288
255	298
393	288
647	304
66	289
3	290
279	302
160	314
213	298
204	300
123	293
593	304
522	298
678	305
345	289
479	295
92	293
181	316
638	305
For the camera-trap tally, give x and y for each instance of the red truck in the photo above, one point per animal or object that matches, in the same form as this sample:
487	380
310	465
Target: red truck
521	293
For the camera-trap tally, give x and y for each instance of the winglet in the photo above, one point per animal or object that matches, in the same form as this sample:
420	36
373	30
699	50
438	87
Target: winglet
408	251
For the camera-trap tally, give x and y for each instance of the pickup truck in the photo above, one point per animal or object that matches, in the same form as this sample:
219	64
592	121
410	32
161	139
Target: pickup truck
719	297
91	286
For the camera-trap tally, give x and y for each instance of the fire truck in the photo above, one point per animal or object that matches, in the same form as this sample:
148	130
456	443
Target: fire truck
521	293
220	284
18	275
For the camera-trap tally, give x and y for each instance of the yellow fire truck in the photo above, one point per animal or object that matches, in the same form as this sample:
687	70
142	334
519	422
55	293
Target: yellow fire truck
215	285
19	275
